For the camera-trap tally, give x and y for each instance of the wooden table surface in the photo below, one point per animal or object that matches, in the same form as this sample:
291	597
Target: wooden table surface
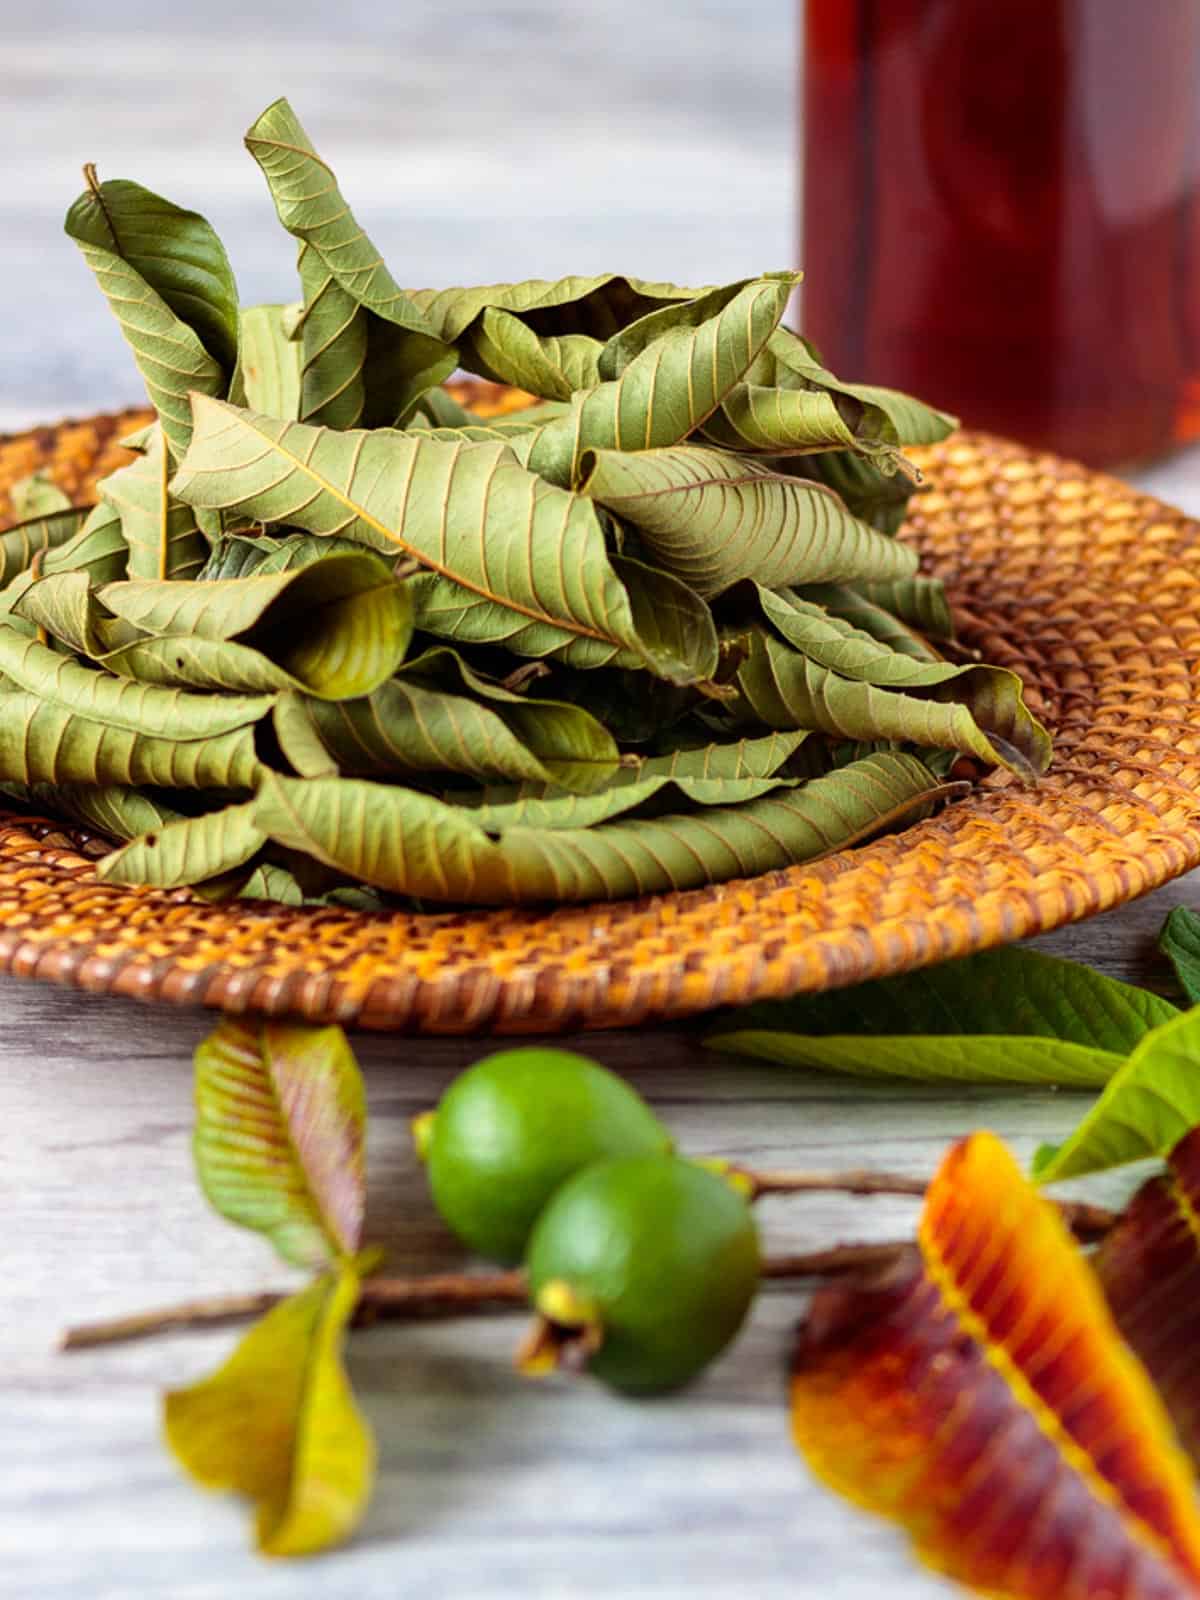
613	136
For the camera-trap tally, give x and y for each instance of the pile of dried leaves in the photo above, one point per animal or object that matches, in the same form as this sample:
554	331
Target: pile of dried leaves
331	630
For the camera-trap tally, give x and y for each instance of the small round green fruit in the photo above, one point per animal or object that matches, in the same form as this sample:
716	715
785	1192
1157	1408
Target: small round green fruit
512	1128
642	1270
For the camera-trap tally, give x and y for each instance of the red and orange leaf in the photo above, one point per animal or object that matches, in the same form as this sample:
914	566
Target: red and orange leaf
1149	1265
979	1394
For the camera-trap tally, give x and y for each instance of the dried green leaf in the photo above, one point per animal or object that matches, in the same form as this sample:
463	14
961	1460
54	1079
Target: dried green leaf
788	690
337	628
716	775
277	1423
368	351
37	496
410	843
712	518
437	715
162	535
667	390
278	1141
112	809
67	723
470	513
67	608
187	850
878	498
167	279
507	350
21	544
852	606
597	306
268	378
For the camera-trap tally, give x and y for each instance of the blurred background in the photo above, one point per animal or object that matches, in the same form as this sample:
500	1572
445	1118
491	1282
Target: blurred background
476	142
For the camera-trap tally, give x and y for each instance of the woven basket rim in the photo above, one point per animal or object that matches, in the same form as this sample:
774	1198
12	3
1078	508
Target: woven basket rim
1078	581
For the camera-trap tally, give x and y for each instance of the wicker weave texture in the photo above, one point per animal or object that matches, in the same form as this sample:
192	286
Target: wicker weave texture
1089	590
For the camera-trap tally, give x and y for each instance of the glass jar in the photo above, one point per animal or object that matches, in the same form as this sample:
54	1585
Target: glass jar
1000	212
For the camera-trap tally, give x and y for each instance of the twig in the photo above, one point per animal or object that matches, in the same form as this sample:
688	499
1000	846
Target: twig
386	1299
1087	1222
390	1299
842	1258
381	1298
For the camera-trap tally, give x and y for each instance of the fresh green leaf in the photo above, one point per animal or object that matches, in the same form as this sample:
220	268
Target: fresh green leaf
278	1142
934	1058
1179	941
412	844
469	513
368	351
713	518
1146	1109
277	1423
1007	991
187	850
168	281
788	690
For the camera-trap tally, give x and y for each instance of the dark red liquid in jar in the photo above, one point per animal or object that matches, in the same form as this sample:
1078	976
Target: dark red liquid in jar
1002	212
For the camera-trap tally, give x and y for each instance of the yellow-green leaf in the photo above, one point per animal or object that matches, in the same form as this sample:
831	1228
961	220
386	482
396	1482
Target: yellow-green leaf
277	1423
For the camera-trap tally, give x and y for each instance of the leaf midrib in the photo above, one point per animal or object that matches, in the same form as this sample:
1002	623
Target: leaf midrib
343	499
1045	1418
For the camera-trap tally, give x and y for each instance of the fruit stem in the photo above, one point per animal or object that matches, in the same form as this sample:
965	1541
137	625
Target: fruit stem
421	1128
565	1334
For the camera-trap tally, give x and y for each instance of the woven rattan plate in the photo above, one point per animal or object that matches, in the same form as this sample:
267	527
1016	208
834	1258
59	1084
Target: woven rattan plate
1088	589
